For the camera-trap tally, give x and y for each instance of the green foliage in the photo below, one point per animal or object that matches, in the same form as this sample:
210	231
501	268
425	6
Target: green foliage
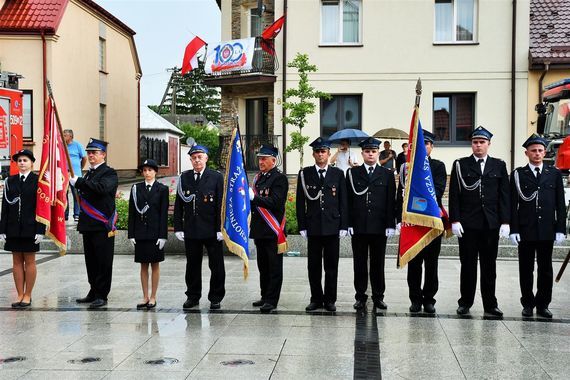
291	226
297	111
207	137
123	212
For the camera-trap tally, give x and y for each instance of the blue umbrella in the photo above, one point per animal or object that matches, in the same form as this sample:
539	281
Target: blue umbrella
348	134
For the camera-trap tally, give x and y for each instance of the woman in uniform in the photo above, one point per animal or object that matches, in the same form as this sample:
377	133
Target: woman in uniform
148	228
18	226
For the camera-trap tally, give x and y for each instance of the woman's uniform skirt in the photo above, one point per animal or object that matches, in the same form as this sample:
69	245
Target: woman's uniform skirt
146	251
21	245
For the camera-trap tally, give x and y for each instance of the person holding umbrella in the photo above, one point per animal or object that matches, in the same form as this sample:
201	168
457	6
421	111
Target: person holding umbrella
342	159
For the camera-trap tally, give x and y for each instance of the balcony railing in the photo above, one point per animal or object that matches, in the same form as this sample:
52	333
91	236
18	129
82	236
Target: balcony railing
250	144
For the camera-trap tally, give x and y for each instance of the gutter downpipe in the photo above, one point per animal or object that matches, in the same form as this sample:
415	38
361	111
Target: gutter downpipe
513	82
44	71
283	89
546	68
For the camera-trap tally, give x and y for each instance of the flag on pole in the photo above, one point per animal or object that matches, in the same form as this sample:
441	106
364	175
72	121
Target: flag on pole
190	60
273	30
421	215
235	204
54	180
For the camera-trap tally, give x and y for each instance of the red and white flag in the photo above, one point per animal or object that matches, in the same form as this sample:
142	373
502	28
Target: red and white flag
54	181
273	30
190	61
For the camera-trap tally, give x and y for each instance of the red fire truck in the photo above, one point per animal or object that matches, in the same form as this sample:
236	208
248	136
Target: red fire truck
11	127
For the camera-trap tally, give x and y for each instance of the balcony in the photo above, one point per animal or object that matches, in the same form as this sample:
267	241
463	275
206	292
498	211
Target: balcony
250	144
263	70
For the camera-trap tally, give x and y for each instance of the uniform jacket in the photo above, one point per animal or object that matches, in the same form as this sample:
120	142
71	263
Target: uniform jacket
439	176
22	223
153	224
488	208
201	217
271	191
373	211
328	214
538	222
98	187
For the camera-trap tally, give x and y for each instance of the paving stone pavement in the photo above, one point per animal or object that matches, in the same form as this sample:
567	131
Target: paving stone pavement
58	339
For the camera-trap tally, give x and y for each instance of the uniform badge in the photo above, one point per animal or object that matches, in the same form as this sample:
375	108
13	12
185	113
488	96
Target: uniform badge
334	191
211	198
205	199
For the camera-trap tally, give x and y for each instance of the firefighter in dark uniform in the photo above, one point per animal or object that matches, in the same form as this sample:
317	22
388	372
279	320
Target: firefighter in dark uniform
197	222
479	210
148	228
538	218
371	192
429	255
322	217
271	194
97	190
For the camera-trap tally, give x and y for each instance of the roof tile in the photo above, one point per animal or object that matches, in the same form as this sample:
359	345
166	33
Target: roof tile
549	31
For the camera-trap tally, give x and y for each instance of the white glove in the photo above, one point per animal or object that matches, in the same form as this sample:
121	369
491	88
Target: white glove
390	232
133	241
515	238
2	237
504	231
38	238
342	233
398	228
350	231
457	229
73	179
560	237
251	194
179	235
161	243
219	236
303	233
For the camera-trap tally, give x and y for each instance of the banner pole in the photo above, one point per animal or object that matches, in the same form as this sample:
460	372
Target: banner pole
70	167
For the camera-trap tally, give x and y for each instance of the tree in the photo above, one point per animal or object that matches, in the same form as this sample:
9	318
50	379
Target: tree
191	96
209	137
297	111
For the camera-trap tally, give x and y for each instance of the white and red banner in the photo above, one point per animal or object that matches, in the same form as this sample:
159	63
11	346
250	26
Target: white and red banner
190	60
53	181
227	56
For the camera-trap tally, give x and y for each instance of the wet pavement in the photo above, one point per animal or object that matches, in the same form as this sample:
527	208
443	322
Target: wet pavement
59	339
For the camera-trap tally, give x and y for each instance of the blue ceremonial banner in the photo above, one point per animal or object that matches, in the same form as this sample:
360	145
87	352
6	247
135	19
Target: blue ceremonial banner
235	205
421	216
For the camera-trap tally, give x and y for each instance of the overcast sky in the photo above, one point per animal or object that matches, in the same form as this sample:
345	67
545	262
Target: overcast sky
163	29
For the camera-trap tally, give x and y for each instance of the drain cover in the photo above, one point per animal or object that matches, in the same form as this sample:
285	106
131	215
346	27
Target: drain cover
235	363
12	359
84	360
163	361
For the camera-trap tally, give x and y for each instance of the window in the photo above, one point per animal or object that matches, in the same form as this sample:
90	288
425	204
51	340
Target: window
340	112
340	22
102	54
455	21
102	119
453	117
28	132
254	23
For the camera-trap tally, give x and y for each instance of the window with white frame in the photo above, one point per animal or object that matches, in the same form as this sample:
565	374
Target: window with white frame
455	21
28	131
341	22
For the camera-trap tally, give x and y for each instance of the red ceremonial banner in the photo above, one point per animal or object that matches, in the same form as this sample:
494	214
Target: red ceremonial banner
53	181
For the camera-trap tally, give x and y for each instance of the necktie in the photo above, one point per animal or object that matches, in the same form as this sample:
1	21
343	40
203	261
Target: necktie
197	178
148	188
537	170
22	178
322	176
481	163
370	171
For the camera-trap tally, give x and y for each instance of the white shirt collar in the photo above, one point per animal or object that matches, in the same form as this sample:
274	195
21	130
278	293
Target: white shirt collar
477	159
197	172
366	166
149	183
26	174
531	166
96	166
326	168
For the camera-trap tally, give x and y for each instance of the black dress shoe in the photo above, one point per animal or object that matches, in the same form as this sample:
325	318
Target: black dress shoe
359	305
429	308
267	307
527	312
462	310
86	299
330	306
545	313
415	307
380	305
313	306
141	306
16	305
151	305
190	304
24	305
258	303
99	302
494	311
215	305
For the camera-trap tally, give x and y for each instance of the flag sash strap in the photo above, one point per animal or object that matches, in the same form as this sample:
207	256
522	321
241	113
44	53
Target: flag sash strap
92	212
271	220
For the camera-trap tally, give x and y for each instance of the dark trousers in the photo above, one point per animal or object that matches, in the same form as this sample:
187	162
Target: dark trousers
270	265
323	249
76	207
194	253
361	245
543	252
429	258
482	244
99	250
